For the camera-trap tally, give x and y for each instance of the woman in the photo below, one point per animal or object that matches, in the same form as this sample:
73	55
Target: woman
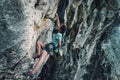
44	51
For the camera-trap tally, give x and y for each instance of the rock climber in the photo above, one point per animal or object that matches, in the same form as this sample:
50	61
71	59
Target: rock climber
44	51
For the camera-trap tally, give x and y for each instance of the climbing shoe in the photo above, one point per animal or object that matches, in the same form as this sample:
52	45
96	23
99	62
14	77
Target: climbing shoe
36	56
28	74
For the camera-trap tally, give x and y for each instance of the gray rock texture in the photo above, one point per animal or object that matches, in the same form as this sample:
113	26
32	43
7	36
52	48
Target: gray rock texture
91	49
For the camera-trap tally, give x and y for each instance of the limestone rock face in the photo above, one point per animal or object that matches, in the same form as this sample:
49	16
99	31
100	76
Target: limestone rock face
92	39
21	23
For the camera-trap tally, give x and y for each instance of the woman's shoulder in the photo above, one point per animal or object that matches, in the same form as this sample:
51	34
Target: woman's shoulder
59	34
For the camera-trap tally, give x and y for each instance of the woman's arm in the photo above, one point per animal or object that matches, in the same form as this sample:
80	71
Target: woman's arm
58	21
59	43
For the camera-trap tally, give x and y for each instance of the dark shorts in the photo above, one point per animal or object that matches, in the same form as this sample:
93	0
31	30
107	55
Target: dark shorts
49	48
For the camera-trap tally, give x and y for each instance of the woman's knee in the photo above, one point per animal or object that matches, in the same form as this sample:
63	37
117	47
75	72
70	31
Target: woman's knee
39	43
44	54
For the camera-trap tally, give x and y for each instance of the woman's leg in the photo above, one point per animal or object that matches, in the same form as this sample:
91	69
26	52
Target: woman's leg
39	46
40	61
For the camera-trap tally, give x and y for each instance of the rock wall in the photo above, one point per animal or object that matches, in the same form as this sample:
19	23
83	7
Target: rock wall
21	24
91	50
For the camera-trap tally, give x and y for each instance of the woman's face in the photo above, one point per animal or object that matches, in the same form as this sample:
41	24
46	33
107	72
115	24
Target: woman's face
59	30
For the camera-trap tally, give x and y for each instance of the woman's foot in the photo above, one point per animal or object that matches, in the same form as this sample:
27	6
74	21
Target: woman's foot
36	56
28	74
